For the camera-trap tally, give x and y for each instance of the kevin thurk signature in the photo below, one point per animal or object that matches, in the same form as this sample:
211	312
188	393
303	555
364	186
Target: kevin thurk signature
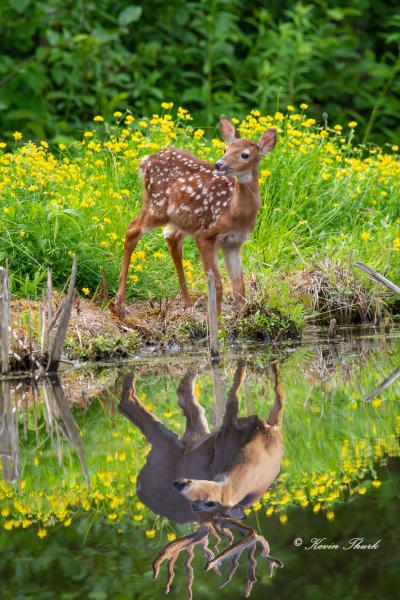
356	543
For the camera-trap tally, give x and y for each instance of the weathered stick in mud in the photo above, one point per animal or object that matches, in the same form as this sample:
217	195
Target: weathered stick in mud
65	315
4	320
212	316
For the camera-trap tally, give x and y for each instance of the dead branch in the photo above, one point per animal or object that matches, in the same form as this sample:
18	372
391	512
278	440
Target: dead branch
65	315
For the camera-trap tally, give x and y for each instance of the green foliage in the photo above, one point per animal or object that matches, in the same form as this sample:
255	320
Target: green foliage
61	62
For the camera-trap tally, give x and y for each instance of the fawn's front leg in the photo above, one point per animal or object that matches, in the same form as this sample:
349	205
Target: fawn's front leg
208	252
233	262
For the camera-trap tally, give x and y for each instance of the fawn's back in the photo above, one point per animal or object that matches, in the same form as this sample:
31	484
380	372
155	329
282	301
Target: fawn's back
185	191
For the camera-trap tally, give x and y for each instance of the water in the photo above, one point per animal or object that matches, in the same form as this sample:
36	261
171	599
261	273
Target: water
295	442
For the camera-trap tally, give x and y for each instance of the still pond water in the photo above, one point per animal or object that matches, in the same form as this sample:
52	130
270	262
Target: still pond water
289	454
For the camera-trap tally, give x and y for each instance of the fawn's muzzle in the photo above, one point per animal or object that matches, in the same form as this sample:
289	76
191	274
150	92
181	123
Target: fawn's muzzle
180	484
220	165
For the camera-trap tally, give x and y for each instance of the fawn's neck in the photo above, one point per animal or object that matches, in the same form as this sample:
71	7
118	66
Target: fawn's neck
248	194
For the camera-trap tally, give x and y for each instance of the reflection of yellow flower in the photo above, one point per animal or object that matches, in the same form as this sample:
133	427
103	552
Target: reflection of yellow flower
283	519
42	533
330	515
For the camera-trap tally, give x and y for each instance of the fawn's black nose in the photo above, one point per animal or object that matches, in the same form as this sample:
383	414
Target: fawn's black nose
220	165
180	484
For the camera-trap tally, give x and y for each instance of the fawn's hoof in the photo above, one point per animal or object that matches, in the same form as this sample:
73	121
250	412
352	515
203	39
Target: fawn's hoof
119	309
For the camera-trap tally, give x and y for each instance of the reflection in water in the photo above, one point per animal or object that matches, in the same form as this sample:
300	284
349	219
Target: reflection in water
9	445
60	424
336	473
209	477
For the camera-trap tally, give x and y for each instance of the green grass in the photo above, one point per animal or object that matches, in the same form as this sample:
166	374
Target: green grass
322	197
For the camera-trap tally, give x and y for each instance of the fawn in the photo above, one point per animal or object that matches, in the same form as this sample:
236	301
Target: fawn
216	204
209	477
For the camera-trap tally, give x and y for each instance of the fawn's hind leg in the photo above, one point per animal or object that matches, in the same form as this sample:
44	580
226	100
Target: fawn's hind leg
133	235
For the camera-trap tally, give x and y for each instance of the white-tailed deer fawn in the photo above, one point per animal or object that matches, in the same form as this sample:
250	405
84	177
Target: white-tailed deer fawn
216	204
209	477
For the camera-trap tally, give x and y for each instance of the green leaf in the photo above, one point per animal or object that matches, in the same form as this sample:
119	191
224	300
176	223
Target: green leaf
130	14
19	5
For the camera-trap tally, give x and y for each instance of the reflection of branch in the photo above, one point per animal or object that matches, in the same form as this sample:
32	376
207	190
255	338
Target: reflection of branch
71	429
385	383
9	447
377	276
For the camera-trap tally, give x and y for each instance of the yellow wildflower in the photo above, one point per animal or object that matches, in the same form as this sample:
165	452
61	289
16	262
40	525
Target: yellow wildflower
303	106
365	235
352	124
98	119
86	291
117	114
171	537
283	519
17	135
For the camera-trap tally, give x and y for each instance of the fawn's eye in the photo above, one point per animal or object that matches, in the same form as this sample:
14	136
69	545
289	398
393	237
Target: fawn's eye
245	155
210	504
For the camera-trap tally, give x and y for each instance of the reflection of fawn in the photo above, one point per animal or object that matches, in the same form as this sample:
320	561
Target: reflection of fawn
215	204
209	477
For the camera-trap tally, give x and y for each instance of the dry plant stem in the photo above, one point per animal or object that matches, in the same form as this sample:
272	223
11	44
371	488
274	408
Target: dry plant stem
172	551
65	315
5	321
234	551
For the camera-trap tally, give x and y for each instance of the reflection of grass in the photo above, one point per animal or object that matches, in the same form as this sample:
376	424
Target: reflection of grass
332	446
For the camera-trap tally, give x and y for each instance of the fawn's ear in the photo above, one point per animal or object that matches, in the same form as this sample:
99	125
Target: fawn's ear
227	129
236	512
267	141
